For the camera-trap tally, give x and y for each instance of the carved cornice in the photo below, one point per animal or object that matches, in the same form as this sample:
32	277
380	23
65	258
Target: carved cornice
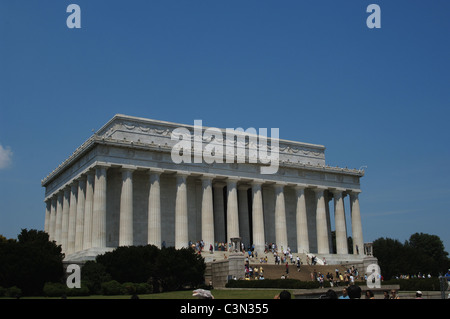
164	129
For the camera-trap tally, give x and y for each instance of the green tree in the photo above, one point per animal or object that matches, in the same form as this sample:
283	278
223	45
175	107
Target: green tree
431	245
30	261
423	253
130	263
168	268
94	274
176	268
387	251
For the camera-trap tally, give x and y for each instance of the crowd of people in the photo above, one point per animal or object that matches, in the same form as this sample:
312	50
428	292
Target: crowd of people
253	272
408	276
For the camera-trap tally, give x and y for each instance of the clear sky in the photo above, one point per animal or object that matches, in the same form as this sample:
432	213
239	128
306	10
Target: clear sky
378	98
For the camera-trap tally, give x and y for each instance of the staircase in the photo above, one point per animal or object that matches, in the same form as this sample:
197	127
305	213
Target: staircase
270	269
277	271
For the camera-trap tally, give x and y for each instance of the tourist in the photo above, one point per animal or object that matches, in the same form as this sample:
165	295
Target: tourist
202	294
321	281
344	294
330	294
354	291
369	294
394	294
283	295
447	276
386	294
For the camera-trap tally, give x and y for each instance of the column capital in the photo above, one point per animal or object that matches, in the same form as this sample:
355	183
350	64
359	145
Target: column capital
89	172
74	185
155	171
278	188
300	186
100	169
257	181
128	168
184	174
318	189
206	181
207	177
100	165
354	193
82	177
337	191
232	179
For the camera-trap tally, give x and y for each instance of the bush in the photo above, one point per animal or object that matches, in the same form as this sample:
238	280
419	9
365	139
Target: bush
144	288
130	288
82	291
13	292
57	289
54	289
431	284
94	274
166	268
111	288
130	263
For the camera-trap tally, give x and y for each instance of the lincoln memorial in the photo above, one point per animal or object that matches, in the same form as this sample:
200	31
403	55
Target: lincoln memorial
122	187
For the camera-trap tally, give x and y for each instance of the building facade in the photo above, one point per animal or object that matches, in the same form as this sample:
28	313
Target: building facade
122	187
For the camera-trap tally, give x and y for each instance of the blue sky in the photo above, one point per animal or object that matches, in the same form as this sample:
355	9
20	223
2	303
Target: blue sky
374	97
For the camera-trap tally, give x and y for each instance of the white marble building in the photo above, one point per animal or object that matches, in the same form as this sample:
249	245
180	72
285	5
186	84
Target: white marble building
121	187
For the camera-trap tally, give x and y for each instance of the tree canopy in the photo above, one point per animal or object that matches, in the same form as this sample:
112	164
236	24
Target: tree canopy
30	261
422	253
166	268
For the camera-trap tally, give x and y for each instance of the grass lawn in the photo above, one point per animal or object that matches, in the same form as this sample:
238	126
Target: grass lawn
218	294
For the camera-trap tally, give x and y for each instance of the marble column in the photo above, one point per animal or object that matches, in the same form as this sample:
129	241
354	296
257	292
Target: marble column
181	213
301	220
99	209
232	210
88	210
321	223
126	209
207	212
339	220
219	212
257	217
358	243
81	202
52	224
65	219
244	227
72	218
280	218
154	210
48	205
328	196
